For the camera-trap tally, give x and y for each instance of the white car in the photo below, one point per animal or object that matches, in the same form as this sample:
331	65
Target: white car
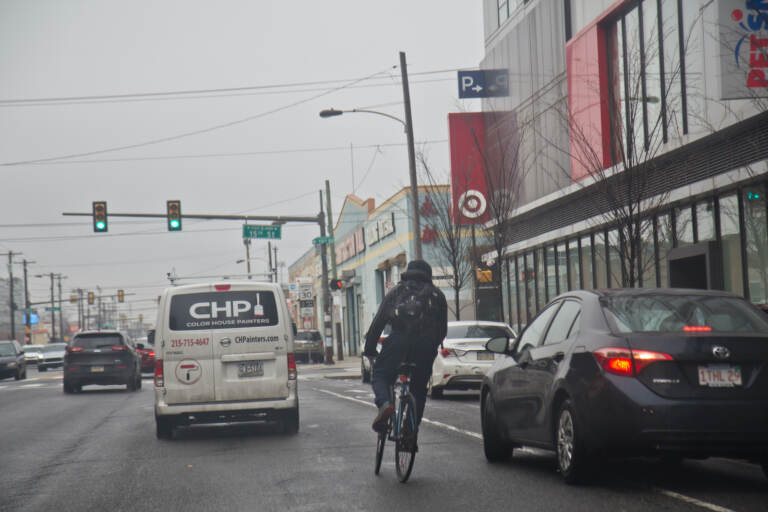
32	353
463	360
51	356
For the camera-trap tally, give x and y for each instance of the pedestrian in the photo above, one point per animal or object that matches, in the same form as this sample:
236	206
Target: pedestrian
418	313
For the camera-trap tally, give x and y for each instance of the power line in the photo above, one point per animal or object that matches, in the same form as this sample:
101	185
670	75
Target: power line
193	132
211	91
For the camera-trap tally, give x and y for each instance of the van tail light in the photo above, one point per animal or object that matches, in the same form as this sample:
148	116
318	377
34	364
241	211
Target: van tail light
119	348
159	380
291	366
626	362
74	349
151	353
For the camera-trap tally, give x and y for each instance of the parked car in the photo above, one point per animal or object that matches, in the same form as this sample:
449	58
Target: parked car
52	356
463	360
365	365
670	373
12	362
308	344
146	349
101	357
32	354
225	354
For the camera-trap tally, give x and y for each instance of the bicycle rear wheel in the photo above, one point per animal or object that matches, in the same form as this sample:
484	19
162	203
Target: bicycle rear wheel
407	431
381	441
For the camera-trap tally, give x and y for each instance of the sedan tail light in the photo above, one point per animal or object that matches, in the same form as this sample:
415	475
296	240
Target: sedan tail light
291	366
448	352
159	380
74	349
626	362
119	348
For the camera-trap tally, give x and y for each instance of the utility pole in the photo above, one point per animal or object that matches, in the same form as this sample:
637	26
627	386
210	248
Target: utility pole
53	311
27	304
12	304
247	242
411	157
61	310
274	269
335	336
326	295
269	255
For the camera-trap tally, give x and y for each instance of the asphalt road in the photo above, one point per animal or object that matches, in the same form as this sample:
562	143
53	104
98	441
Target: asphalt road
97	451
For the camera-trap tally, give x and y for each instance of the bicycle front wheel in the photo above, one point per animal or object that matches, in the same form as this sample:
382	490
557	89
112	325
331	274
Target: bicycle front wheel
382	439
407	431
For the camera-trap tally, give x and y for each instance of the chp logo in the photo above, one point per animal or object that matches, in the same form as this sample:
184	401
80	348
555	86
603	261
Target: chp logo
472	204
230	309
188	371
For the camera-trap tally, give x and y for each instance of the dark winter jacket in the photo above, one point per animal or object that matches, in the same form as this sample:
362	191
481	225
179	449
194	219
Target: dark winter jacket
432	329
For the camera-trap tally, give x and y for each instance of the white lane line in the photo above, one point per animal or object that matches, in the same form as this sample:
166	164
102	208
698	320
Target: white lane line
475	435
692	501
32	385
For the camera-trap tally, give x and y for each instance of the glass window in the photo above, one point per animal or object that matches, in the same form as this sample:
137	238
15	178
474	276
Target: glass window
672	90
614	256
634	91
586	262
551	277
694	100
757	243
562	325
503	9
573	263
684	226
731	243
682	313
705	220
646	265
562	269
478	331
664	232
532	334
514	320
541	281
529	274
92	341
652	98
601	267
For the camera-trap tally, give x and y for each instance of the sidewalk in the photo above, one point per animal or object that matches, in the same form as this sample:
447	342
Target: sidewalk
349	368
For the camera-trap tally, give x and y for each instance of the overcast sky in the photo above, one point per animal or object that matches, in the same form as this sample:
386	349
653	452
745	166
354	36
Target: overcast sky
292	59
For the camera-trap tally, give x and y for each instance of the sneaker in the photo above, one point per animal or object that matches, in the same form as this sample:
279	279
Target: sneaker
382	419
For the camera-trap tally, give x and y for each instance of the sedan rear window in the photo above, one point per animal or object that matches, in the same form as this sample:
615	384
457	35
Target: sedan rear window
682	313
58	347
477	331
97	341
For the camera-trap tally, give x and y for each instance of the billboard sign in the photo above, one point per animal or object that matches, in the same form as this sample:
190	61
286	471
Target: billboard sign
468	183
743	48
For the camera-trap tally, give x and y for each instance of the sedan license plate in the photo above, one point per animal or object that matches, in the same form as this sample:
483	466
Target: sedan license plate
485	356
720	376
250	369
97	369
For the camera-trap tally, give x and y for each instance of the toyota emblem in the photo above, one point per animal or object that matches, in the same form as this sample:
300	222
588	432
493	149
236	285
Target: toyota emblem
721	352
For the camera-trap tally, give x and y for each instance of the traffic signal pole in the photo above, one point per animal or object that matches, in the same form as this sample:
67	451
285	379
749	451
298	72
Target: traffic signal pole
326	294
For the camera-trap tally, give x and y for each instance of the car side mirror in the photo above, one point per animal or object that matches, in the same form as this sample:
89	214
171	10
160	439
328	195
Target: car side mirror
498	345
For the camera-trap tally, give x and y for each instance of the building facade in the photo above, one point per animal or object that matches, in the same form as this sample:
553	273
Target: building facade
644	138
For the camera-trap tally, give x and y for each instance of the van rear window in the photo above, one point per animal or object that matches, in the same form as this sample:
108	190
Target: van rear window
222	310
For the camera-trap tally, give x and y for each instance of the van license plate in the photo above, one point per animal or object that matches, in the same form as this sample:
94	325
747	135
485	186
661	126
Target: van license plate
250	369
719	376
97	369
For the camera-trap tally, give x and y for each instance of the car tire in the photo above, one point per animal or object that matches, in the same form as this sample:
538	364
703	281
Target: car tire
18	374
496	449
131	385
68	388
24	375
435	392
572	457
364	374
164	427
291	422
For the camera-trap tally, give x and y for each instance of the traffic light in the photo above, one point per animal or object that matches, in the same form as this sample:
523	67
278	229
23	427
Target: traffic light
337	284
91	298
100	216
174	215
120	296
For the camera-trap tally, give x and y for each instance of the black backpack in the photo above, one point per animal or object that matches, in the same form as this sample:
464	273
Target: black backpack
413	305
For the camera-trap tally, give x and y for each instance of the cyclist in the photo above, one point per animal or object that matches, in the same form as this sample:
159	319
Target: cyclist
423	337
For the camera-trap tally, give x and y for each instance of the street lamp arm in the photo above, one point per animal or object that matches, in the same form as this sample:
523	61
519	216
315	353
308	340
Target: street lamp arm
331	112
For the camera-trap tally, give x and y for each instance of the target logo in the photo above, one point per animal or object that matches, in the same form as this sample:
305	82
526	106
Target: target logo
472	204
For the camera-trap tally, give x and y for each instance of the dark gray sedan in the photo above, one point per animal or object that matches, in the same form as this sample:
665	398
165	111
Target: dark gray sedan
625	372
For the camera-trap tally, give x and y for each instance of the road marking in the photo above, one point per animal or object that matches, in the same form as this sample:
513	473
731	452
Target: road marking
475	435
31	385
692	501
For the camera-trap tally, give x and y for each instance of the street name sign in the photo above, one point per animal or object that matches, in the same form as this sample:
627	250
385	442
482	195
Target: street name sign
484	83
261	231
55	308
322	240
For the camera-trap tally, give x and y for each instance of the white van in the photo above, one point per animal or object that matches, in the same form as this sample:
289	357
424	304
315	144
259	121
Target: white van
224	353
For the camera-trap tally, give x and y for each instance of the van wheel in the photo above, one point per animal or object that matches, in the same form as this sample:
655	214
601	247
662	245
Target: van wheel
291	422
131	386
164	427
68	389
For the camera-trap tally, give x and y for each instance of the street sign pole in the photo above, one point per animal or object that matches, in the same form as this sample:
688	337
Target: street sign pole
325	311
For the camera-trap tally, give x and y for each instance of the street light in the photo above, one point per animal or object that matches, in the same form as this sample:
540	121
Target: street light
248	260
408	125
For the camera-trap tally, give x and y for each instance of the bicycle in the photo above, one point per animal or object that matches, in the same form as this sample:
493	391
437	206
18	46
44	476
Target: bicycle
402	428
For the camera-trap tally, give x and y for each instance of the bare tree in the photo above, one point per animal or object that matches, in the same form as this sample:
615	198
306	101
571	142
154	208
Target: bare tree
449	238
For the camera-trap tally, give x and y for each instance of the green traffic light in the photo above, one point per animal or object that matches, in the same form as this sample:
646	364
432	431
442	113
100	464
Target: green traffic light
175	224
100	225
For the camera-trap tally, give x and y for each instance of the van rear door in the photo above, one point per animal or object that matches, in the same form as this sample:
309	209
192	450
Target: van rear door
188	351
249	342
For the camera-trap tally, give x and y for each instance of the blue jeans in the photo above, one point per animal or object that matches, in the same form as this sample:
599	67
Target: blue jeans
393	352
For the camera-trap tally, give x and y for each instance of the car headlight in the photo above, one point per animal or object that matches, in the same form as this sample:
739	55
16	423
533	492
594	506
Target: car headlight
12	364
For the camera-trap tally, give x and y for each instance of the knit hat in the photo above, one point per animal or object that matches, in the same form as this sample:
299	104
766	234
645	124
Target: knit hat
418	270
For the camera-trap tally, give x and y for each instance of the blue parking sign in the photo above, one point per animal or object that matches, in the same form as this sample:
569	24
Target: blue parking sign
483	83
